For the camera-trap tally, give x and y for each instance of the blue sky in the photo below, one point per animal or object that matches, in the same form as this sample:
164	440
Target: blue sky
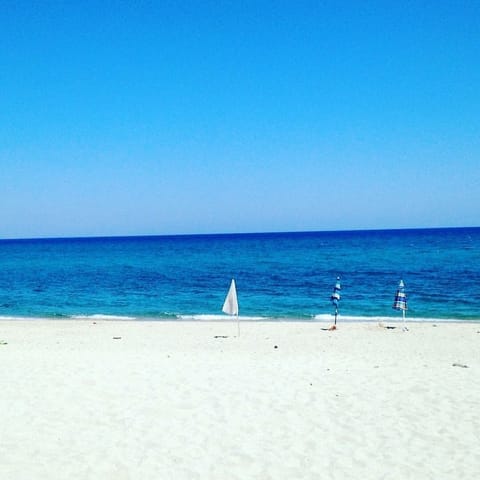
125	118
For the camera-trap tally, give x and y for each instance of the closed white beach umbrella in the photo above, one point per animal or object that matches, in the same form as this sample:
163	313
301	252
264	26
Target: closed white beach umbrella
230	307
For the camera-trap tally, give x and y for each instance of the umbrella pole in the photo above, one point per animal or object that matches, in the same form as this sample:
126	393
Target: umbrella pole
404	321
238	325
336	313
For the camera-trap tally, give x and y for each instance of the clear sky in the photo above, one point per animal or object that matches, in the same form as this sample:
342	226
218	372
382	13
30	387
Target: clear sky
172	117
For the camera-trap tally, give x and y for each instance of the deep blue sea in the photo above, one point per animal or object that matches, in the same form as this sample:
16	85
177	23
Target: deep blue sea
278	275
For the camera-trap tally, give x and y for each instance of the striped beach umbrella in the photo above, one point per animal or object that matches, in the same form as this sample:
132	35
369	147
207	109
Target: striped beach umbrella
335	298
400	302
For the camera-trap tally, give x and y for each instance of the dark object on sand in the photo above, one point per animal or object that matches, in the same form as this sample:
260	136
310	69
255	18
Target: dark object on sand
461	365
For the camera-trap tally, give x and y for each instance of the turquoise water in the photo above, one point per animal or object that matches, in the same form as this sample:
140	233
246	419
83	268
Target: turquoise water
278	275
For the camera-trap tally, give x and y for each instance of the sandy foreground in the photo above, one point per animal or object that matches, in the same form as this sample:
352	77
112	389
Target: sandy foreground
163	400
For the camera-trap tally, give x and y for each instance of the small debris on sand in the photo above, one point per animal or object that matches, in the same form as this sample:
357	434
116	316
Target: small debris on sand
461	365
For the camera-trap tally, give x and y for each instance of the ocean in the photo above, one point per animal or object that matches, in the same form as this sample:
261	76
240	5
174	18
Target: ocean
278	275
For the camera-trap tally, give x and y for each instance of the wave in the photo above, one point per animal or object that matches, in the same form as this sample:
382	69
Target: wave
244	318
317	318
97	316
101	316
205	317
355	318
14	318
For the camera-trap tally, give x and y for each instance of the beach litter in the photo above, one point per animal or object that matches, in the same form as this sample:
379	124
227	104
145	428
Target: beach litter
461	365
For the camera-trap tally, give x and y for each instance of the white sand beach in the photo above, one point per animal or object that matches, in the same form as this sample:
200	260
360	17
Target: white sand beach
162	400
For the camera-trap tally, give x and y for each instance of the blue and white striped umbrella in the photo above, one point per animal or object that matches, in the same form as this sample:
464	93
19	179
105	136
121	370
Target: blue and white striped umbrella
335	298
400	302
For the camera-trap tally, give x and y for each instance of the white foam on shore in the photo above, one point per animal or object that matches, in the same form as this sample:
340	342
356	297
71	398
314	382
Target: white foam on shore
352	318
219	318
12	318
100	316
245	318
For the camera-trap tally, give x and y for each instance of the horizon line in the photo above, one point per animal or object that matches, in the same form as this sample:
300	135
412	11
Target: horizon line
226	234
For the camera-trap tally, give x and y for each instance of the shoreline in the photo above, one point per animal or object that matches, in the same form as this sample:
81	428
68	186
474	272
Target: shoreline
207	318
